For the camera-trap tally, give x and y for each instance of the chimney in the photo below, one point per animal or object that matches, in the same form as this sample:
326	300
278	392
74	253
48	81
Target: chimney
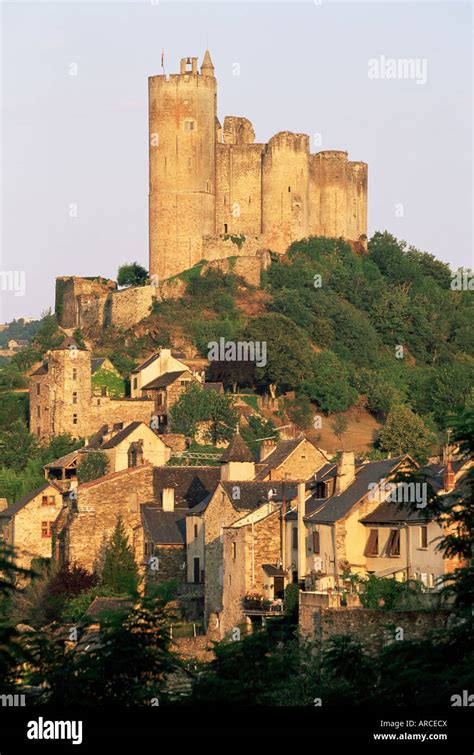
167	498
448	478
266	448
301	509
345	471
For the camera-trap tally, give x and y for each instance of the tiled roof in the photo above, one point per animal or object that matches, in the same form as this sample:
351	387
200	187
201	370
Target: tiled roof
327	510
237	450
191	485
14	508
390	512
164	527
163	380
146	363
63	461
122	435
252	493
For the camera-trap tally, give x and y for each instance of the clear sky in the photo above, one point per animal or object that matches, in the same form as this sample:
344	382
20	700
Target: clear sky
80	141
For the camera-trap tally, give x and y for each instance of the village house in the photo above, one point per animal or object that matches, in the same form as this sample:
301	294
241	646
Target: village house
297	458
166	390
135	444
27	524
160	363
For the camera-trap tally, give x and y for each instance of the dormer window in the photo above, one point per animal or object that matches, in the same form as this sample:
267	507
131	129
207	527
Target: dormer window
321	489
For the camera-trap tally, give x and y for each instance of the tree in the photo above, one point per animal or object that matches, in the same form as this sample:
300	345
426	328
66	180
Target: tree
340	425
329	385
93	464
300	411
17	446
120	571
132	274
197	405
405	432
288	351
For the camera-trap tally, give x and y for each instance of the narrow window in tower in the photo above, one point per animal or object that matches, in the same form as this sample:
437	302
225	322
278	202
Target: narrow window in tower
225	227
289	188
208	187
189	125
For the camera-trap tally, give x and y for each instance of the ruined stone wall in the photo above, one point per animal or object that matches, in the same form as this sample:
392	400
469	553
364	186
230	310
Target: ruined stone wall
285	190
182	145
248	267
130	305
80	302
106	411
372	627
98	505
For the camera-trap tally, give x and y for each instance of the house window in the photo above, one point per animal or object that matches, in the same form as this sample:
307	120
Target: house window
195	531
315	541
74	373
74	419
48	500
46	530
295	537
74	397
159	399
38	389
320	490
393	544
135	454
372	548
135	382
423	536
234	551
184	383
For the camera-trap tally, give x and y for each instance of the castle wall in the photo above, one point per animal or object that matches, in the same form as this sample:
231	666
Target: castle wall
285	190
106	411
182	126
130	305
81	301
239	188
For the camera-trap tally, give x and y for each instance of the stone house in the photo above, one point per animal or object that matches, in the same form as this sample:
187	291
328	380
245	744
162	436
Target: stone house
133	445
62	399
153	367
296	459
27	524
166	390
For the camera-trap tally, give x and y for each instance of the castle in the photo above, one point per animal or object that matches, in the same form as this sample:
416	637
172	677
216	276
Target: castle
215	193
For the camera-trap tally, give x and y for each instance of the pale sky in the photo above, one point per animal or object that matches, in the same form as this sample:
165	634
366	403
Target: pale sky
81	139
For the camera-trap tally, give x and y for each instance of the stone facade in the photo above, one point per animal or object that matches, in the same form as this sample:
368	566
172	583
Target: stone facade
373	627
62	400
82	531
29	529
213	189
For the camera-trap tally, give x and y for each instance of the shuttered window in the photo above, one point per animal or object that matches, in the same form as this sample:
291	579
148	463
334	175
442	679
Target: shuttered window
372	548
393	545
315	541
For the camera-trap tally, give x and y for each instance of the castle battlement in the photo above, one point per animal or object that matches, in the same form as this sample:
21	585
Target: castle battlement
209	181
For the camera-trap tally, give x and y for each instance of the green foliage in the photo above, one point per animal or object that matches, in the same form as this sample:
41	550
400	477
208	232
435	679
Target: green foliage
120	572
329	385
340	425
17	446
104	378
405	432
257	428
291	600
300	411
389	593
92	465
196	405
132	274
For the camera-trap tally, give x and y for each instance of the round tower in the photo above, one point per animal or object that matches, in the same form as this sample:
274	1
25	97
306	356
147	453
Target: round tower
182	147
285	190
332	174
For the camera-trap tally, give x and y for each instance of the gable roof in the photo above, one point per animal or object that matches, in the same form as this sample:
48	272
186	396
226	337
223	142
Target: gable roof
329	510
163	380
280	453
164	527
14	508
390	512
123	435
63	461
191	485
147	362
97	363
42	370
237	450
253	493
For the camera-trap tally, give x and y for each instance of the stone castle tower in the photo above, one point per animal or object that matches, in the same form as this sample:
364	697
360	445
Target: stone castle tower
215	193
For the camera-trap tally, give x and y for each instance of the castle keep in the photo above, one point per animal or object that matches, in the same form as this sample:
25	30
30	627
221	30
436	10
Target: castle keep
215	193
